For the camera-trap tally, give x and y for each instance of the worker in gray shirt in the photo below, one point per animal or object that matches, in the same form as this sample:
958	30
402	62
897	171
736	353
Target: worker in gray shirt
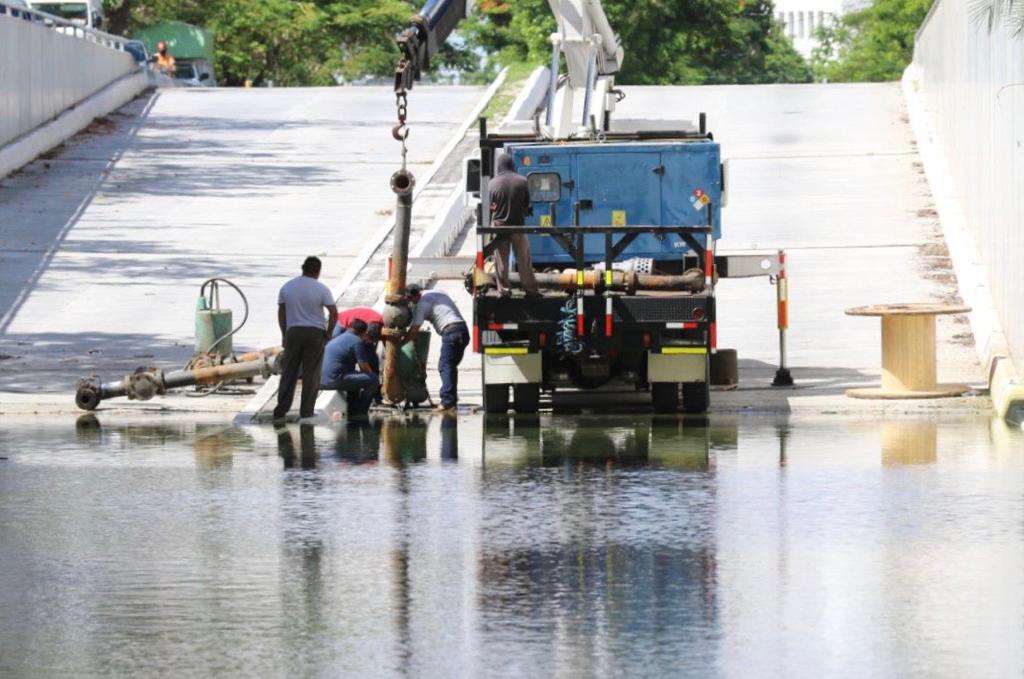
510	204
439	309
300	314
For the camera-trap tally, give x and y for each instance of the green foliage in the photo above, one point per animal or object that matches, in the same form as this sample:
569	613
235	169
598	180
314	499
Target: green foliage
289	42
315	42
666	41
871	45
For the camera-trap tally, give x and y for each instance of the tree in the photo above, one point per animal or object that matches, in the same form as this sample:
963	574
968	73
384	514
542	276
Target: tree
667	41
870	45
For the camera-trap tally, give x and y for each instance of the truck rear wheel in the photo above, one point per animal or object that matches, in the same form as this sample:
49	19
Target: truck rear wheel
696	397
665	396
496	398
526	398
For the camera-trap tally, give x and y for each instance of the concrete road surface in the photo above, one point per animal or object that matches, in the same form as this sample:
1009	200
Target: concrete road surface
831	174
103	245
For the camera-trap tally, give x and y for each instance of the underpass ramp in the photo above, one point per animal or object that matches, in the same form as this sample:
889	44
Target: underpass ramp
104	244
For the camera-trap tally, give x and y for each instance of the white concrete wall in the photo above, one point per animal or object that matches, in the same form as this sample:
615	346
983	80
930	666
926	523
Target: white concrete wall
971	82
44	72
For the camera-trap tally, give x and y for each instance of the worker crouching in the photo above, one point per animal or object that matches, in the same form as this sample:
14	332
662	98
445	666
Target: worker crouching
349	367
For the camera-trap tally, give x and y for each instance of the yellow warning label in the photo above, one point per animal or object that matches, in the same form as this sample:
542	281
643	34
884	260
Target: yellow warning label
545	220
618	217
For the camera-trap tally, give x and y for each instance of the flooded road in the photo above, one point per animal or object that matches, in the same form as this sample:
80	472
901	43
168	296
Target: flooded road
560	546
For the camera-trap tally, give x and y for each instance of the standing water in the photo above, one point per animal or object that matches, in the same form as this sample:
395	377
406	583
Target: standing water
550	546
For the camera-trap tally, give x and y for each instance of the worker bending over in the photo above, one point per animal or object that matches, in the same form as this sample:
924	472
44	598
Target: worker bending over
438	308
348	367
510	204
363	313
300	315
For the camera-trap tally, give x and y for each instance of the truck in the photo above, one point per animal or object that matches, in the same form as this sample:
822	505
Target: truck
88	14
625	219
192	48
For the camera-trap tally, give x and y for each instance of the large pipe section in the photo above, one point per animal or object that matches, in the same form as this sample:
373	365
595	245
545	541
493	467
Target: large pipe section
397	315
145	383
628	281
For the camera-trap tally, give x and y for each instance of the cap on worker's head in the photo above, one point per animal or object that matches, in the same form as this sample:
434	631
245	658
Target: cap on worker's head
413	291
373	331
312	266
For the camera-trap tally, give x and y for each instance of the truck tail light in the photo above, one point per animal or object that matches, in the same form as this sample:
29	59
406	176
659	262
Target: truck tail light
698	314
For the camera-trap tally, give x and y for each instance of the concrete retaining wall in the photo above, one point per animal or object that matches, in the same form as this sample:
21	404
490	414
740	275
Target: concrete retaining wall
971	84
43	73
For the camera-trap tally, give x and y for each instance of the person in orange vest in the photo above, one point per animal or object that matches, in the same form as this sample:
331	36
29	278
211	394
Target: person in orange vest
163	59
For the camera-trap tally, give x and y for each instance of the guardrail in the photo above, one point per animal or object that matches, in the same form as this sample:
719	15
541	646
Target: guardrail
61	25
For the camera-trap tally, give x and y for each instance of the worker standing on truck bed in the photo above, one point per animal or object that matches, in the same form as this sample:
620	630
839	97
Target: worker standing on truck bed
510	204
300	315
438	308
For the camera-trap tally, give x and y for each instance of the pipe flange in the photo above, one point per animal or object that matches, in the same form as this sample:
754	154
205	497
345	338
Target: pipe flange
87	393
403	182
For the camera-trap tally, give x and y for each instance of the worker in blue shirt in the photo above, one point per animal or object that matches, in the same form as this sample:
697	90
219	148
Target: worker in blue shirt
348	368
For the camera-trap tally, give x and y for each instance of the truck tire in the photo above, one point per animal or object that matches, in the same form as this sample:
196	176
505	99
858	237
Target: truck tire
526	398
496	399
696	397
665	396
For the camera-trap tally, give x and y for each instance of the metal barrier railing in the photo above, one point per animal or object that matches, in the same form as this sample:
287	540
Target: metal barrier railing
63	26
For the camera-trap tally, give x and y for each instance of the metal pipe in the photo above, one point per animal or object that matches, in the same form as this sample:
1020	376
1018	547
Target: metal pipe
690	281
146	383
556	51
396	314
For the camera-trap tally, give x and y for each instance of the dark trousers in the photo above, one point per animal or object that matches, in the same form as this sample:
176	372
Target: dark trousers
454	341
303	354
360	389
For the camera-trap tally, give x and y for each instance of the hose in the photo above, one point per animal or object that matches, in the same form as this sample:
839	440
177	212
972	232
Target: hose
214	303
215	293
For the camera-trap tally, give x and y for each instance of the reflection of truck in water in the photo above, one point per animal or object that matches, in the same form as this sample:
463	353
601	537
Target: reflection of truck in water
192	49
88	14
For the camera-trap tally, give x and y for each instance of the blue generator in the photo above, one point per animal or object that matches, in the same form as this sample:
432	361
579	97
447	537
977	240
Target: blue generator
621	184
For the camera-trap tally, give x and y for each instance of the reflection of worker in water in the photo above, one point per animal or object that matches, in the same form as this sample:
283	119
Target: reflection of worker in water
163	60
510	203
438	308
305	455
347	367
300	314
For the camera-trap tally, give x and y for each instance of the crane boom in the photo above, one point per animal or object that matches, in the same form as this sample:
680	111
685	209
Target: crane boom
592	52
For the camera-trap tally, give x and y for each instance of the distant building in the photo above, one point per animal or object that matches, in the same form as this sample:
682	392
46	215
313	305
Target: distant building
801	18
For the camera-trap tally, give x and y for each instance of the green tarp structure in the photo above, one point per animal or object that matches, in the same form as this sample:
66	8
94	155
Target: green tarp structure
184	41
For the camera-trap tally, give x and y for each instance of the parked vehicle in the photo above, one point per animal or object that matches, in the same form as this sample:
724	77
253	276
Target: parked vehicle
138	50
192	49
88	14
196	73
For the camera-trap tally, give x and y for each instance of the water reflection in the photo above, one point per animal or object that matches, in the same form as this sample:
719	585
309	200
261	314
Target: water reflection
550	545
909	442
298	448
600	440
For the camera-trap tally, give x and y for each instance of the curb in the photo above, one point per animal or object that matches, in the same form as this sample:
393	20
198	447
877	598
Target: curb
1004	382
